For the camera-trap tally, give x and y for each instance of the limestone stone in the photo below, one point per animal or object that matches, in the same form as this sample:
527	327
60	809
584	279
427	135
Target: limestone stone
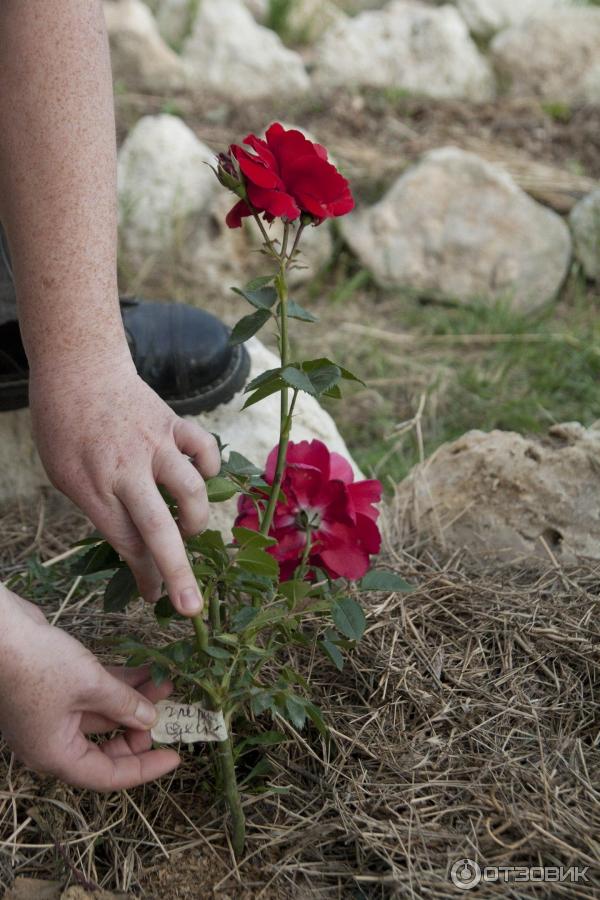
585	225
486	17
554	55
408	46
166	189
140	57
456	226
230	54
505	496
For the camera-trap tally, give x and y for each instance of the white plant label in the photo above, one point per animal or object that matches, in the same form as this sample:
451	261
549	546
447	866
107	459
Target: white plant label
187	722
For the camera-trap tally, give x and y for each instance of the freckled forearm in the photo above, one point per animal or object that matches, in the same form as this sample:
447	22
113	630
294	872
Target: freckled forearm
58	180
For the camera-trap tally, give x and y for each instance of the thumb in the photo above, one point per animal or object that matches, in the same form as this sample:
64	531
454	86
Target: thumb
122	704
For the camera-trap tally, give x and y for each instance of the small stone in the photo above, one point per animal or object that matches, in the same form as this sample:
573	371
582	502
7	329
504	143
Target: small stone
457	227
585	226
486	17
554	56
229	54
407	46
140	57
508	497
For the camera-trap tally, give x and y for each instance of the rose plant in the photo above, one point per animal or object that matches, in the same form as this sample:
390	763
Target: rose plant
306	529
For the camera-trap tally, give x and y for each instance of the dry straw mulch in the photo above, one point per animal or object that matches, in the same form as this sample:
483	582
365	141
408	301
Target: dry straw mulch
464	725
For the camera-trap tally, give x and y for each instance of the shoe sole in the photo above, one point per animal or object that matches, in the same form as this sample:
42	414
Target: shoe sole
13	395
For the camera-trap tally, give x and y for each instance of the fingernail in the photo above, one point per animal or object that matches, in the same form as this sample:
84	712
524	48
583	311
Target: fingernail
146	714
191	601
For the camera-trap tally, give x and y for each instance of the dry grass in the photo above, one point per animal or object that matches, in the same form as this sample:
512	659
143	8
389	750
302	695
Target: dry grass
464	725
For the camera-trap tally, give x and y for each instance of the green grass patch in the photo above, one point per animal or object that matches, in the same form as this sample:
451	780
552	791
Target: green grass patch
478	368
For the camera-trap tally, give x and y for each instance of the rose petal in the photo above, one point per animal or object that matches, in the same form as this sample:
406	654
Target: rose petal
235	215
363	494
276	203
340	468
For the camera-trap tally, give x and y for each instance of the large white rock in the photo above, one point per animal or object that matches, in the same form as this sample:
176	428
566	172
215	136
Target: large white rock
459	227
253	432
506	496
140	57
166	190
486	17
585	225
230	54
408	46
555	56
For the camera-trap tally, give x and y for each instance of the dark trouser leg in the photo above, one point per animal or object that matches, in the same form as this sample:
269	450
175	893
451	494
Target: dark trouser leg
8	300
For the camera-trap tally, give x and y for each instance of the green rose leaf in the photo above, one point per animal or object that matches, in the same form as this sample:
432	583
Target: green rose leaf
158	673
240	466
246	537
295	710
260	297
249	326
263	392
220	489
243	618
261	701
101	558
295	311
332	651
350	376
298	379
323	374
314	714
217	652
295	590
260	281
258	561
349	618
120	591
266	739
383	580
267	377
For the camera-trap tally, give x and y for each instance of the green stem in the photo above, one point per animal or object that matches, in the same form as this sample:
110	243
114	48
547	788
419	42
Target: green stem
285	420
214	610
305	554
224	749
201	634
232	796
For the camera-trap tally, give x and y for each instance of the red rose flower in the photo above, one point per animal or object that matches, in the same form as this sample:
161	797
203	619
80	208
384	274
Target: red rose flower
288	175
321	500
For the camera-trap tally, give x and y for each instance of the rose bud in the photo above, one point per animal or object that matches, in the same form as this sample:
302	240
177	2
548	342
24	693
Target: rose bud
228	173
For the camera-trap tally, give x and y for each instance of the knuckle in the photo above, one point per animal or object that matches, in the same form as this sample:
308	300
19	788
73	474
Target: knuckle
155	522
194	485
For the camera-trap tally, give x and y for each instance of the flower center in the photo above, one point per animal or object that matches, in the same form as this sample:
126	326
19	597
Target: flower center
308	519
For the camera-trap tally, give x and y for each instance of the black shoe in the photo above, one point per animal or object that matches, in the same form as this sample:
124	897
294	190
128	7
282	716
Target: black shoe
180	351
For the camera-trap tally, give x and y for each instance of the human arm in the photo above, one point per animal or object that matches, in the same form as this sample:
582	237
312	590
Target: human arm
104	437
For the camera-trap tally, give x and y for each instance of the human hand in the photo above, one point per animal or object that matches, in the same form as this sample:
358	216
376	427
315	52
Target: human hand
54	692
106	440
